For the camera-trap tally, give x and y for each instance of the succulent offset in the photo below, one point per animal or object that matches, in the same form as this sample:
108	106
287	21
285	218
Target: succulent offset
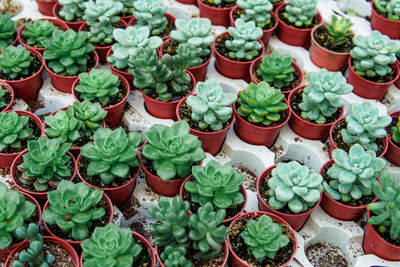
396	133
91	115
300	13
13	129
15	61
339	30
391	8
63	125
277	70
37	31
256	10
7	30
71	9
150	13
174	256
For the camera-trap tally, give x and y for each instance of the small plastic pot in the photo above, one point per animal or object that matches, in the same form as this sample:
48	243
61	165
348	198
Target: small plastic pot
295	220
276	5
397	82
217	16
169	16
234	259
64	83
386	26
71	24
393	151
305	129
292	35
188	2
46	7
7	87
128	76
7	159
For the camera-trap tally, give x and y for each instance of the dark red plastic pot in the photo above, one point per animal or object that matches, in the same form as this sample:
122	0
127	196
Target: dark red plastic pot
386	26
266	33
292	35
217	16
127	19
7	87
367	89
188	2
397	82
72	24
256	135
46	7
128	76
305	129
169	16
7	159
235	261
295	220
60	24
230	68
276	5
393	151
38	195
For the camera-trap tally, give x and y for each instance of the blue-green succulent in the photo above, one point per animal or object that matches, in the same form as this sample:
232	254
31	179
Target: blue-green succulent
257	11
300	13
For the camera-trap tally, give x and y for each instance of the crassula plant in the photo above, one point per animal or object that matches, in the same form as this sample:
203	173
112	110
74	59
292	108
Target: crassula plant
300	13
71	9
15	62
390	8
7	30
257	11
37	31
13	130
150	13
338	30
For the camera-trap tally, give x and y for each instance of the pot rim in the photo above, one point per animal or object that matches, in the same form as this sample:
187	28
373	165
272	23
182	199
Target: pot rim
323	48
215	9
8	87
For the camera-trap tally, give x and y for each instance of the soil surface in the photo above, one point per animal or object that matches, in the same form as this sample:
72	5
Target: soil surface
321	37
325	255
170	27
171	46
314	22
7	97
239	11
224	51
34	67
222	5
113	100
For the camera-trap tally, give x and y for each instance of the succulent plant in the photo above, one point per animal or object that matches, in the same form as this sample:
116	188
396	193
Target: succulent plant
396	132
257	11
174	256
277	70
15	61
364	126
322	97
91	115
3	101
73	207
100	16
63	125
127	8
14	212
110	246
261	103
211	106
373	54
71	9
7	30
387	208
46	163
67	52
37	31
339	30
300	13
13	129
353	173
150	13
264	237
245	44
391	8
294	185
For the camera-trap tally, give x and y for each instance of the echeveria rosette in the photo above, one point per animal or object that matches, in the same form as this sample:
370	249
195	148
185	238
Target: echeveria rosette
322	97
7	30
352	173
391	8
294	185
174	256
91	115
37	31
13	129
256	10
339	30
71	9
15	61
73	207
300	13
264	238
150	13
110	246
277	70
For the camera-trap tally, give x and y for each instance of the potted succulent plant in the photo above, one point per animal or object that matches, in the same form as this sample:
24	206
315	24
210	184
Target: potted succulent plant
16	129
385	17
317	106
6	97
168	156
393	139
372	68
123	248
191	240
40	169
363	126
296	20
260	112
73	211
197	33
68	54
216	10
126	13
331	44
259	11
209	114
278	70
8	33
22	69
109	89
261	239
46	6
291	191
347	182
236	49
71	12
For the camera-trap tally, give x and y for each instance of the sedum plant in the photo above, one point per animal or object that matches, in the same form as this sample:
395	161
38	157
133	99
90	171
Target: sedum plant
150	13
174	256
373	54
277	70
257	11
300	13
391	8
15	61
396	133
322	97
91	115
364	126
110	246
71	9
172	150
13	130
63	125
264	238
37	31
73	207
261	103
352	173
245	44
211	106
7	30
339	30
294	185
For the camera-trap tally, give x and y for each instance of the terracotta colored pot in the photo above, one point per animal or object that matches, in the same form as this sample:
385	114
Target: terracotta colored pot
127	19
7	87
367	89
7	159
305	129
386	26
60	24
5	252
218	16
38	195
169	16
64	83
188	2
397	82
393	151
28	88
295	220
233	69
234	260
128	76
256	135
324	58
266	33
71	24
276	5
46	7
292	35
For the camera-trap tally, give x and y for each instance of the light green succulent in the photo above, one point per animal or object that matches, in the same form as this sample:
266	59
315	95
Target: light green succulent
396	132
71	9
391	8
364	126
300	13
373	54
63	125
7	30
91	115
15	61
3	101
37	31
150	13
245	44
294	185
13	130
322	97
339	30
352	173
128	8
174	256
277	70
257	11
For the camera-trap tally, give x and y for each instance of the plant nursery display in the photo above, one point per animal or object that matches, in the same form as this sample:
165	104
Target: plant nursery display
216	10
385	17
7	31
